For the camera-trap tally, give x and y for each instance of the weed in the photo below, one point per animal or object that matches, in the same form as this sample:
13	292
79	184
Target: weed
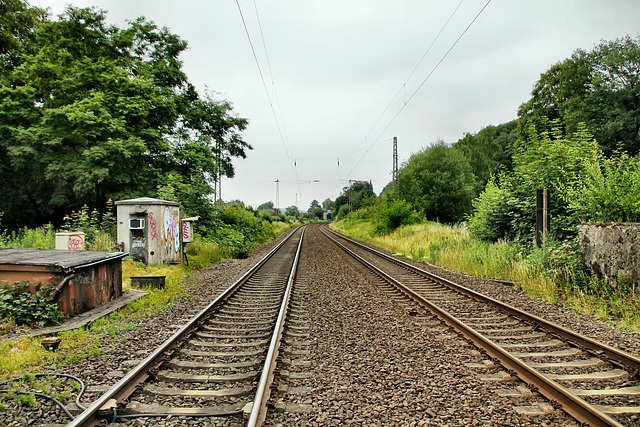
27	399
27	308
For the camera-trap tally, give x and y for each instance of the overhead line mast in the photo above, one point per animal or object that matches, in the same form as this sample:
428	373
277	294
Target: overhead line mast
394	176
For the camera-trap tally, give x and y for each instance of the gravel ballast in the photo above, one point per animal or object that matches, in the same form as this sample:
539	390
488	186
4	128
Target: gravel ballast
373	361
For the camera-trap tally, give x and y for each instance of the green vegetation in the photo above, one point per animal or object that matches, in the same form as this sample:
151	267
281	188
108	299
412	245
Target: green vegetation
90	112
22	307
37	238
552	273
598	88
607	190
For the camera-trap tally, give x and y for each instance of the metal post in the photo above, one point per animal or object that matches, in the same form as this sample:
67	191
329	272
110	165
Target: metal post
219	174
277	181
395	163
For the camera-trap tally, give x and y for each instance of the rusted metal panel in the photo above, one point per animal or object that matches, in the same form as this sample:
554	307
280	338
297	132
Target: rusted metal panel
84	280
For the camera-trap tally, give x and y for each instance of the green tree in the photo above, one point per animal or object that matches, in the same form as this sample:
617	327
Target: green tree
599	88
315	210
357	195
481	150
96	112
17	24
314	205
292	211
327	204
266	206
438	182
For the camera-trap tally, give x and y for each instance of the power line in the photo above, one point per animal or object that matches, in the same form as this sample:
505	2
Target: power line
255	57
275	92
424	81
403	86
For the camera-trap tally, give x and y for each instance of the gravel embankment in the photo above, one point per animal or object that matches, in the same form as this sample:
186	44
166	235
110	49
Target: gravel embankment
371	362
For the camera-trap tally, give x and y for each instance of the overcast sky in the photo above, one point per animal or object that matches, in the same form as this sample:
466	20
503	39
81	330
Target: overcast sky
341	80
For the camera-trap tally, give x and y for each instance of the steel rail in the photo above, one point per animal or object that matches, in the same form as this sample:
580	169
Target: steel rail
581	341
117	395
259	407
573	405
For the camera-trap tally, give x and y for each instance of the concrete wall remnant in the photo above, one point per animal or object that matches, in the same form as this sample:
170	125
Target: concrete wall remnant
612	252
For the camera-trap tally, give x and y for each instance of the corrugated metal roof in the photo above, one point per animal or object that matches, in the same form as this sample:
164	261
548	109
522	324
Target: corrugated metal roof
60	260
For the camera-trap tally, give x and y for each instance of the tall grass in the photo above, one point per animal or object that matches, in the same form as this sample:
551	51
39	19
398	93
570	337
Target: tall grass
37	238
551	273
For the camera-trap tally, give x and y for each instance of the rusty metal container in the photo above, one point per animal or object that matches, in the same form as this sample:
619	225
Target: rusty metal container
84	279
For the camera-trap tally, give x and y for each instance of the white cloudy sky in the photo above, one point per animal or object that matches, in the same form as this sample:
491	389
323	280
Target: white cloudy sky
333	67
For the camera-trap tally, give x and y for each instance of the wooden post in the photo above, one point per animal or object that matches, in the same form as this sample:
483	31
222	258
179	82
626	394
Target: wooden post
542	216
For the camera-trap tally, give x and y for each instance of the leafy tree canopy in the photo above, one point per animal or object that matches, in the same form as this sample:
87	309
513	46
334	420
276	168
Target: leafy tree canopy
292	211
90	111
266	206
357	195
599	88
327	204
314	205
438	182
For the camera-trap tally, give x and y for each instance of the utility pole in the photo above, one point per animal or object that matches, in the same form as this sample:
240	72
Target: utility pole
349	196
277	181
395	163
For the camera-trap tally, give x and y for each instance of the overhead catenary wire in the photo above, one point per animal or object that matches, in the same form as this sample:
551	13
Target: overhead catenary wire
264	84
403	86
423	82
275	92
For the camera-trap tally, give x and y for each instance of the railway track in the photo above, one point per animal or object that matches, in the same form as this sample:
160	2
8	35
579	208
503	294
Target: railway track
220	364
594	383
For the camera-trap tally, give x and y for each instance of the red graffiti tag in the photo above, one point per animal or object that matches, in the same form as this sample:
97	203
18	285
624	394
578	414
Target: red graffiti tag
186	231
75	243
153	227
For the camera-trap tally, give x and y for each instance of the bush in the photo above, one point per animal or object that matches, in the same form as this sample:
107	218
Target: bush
38	238
26	308
238	228
504	210
390	215
607	190
549	160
